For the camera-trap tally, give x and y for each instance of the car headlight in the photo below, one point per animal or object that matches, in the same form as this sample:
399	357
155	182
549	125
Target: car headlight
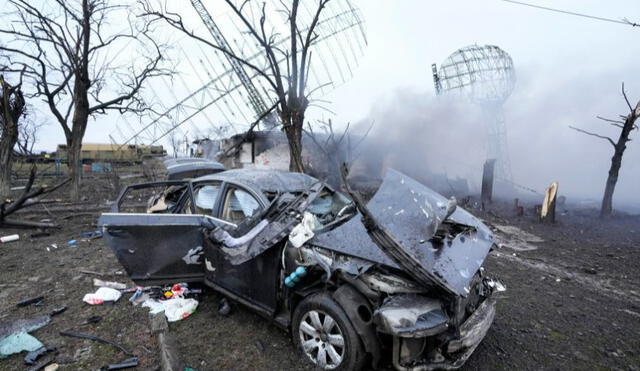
411	316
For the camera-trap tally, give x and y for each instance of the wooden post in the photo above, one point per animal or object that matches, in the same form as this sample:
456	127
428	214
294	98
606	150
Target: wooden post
548	210
487	182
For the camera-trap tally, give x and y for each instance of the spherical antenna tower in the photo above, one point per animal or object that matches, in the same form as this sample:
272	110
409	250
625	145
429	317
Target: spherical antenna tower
486	76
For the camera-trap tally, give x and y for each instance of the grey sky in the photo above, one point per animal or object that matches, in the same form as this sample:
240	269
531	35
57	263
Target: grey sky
569	70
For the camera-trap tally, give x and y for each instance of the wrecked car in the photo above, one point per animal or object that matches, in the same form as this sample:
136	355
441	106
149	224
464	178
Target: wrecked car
397	280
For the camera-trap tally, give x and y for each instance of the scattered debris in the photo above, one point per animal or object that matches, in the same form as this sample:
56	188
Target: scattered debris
101	274
52	367
44	364
128	363
58	310
517	239
92	319
32	357
303	232
95	338
155	306
110	284
10	238
496	285
91	235
15	338
101	295
28	198
29	301
224	308
139	296
40	234
179	308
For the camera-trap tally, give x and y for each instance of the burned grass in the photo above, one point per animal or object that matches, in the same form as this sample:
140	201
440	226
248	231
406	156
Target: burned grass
551	317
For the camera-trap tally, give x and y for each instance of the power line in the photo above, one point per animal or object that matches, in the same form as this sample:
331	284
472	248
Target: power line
619	21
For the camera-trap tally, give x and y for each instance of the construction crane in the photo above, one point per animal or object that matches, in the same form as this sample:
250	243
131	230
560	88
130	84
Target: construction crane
256	101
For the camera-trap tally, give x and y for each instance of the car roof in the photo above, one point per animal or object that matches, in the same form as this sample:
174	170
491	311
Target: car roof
182	160
265	180
188	166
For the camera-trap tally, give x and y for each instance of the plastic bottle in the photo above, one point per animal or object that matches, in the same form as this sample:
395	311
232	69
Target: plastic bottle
295	276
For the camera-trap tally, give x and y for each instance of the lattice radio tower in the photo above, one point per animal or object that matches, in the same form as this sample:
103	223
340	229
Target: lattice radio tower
485	75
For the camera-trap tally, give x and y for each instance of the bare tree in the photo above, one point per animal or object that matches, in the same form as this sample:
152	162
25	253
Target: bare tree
332	146
174	143
12	108
69	51
27	136
626	124
284	68
336	148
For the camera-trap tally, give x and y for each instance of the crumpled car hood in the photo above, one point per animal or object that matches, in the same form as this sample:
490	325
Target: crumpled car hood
411	212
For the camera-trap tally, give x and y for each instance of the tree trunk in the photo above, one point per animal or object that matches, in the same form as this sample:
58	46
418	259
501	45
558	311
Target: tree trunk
74	142
616	161
612	179
81	111
74	163
7	142
11	108
292	126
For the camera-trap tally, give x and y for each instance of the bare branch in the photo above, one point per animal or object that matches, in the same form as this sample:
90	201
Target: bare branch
175	21
250	130
624	94
610	120
594	134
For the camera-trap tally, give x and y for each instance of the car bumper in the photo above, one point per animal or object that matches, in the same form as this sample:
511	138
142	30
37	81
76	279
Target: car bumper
472	331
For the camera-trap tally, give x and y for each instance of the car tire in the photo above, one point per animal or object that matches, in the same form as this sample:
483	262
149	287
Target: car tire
321	330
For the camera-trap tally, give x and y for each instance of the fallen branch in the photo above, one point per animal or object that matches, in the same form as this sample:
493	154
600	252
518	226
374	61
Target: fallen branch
95	338
28	224
28	198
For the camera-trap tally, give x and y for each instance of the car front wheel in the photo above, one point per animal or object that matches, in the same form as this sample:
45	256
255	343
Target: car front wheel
323	332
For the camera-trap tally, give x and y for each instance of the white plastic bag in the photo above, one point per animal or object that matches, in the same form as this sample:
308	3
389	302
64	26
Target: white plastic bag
155	306
114	285
303	232
178	308
101	295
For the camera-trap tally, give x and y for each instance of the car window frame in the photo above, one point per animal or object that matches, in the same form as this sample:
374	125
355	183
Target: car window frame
262	201
214	207
115	207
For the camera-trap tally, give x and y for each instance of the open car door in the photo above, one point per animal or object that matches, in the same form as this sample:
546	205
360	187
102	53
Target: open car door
155	230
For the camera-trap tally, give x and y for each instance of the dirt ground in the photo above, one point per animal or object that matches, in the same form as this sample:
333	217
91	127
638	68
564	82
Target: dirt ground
572	299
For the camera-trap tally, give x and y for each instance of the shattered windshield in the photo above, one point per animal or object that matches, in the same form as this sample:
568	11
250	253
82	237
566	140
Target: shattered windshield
331	206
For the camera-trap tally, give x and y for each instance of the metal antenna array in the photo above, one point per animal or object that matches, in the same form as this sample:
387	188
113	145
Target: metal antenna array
255	99
485	75
228	97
